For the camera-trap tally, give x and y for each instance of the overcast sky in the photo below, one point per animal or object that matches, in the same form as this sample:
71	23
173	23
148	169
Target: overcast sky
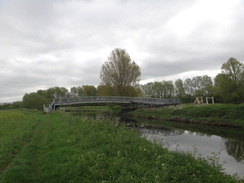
64	43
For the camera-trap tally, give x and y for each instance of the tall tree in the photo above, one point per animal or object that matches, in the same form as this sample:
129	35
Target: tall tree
147	90
120	74
233	71
179	88
58	92
77	91
188	86
168	89
229	85
158	89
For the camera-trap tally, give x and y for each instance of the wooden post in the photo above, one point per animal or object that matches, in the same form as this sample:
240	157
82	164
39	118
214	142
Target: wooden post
207	98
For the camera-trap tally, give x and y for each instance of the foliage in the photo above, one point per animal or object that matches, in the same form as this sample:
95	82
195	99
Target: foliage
14	105
156	89
228	86
230	83
67	148
34	101
120	74
84	90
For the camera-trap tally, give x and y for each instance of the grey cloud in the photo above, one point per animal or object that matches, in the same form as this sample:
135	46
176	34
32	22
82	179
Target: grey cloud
64	43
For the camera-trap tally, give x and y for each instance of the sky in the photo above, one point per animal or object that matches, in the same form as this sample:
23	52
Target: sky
64	43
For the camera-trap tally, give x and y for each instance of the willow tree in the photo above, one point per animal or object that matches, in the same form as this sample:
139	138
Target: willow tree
120	74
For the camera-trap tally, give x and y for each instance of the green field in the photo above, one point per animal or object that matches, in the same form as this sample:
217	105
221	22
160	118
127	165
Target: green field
212	114
59	147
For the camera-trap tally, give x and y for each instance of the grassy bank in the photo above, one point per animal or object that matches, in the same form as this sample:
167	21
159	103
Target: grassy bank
217	114
59	147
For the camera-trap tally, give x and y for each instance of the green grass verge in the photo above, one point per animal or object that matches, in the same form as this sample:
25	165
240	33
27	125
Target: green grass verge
65	148
217	114
16	129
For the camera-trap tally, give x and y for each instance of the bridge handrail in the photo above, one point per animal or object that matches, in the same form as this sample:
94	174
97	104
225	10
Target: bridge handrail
117	99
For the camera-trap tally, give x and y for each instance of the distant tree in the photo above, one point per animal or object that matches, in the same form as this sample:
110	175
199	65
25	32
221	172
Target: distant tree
229	84
158	89
206	86
77	91
120	74
233	70
103	90
188	86
168	89
147	90
58	92
34	101
89	90
179	88
17	104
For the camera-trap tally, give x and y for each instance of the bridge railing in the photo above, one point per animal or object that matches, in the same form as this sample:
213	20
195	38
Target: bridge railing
60	101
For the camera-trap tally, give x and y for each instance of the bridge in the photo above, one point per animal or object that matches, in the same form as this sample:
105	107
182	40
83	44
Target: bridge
154	102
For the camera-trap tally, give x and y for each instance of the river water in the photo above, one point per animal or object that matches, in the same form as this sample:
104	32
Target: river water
224	145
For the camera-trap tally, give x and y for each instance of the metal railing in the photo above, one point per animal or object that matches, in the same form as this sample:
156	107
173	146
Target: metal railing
115	99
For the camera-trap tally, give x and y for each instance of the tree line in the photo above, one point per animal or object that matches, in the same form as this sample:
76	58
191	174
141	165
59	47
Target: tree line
226	87
120	76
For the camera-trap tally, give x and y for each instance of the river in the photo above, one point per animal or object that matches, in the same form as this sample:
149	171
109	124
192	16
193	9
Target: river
224	145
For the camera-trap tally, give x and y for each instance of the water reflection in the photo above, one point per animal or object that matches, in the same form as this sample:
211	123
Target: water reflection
164	132
235	148
227	143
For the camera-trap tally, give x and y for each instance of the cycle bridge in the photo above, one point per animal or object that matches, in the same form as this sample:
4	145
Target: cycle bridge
138	101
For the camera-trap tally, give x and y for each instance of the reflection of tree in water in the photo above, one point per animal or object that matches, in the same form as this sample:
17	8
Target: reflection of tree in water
163	132
235	148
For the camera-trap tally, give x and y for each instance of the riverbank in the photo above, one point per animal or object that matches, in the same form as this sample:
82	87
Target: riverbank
59	147
213	114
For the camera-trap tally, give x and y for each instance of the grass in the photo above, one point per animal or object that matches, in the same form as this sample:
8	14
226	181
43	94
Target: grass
65	148
16	129
217	114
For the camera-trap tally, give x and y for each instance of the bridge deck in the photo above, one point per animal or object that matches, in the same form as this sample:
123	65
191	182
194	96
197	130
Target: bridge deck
116	99
113	99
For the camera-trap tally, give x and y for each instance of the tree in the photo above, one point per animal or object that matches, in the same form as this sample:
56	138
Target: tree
207	86
168	89
188	86
58	92
233	71
158	89
103	90
77	91
229	85
179	88
147	90
34	101
120	74
90	90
